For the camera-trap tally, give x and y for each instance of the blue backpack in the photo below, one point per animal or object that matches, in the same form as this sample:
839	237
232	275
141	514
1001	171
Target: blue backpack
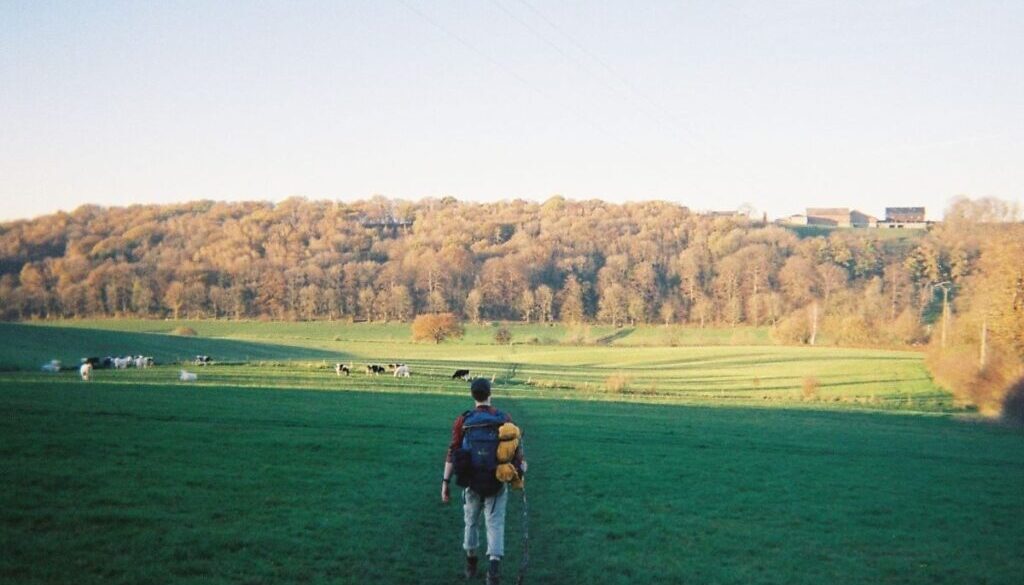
476	461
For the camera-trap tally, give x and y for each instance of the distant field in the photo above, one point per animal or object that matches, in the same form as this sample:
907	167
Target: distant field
301	355
320	332
119	483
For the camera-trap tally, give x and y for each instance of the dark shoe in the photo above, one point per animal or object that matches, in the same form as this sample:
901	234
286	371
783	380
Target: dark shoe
494	573
470	571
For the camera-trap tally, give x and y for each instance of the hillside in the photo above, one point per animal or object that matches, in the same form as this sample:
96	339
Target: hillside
563	260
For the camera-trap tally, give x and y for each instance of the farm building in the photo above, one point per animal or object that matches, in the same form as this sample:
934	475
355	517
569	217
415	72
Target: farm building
912	218
839	217
795	219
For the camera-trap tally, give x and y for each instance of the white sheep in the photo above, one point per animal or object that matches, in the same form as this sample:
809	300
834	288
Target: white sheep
52	367
188	376
402	371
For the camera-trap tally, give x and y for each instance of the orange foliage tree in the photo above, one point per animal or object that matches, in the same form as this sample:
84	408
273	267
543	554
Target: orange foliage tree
436	327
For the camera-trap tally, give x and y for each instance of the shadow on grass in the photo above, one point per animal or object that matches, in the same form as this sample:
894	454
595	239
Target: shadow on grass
30	346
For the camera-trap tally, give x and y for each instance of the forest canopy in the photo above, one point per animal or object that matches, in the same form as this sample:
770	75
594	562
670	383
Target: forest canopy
574	261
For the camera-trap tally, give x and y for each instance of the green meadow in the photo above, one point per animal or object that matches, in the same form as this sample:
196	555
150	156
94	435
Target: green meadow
657	455
594	363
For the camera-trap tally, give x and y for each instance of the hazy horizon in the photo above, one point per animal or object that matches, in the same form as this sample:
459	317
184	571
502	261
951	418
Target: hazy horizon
711	105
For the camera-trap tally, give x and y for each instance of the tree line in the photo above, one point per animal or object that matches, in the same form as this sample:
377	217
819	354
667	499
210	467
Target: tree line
564	260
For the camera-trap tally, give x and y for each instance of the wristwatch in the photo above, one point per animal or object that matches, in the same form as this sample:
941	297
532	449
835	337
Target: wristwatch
446	480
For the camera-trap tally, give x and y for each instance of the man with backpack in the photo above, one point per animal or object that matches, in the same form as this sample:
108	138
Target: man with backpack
484	455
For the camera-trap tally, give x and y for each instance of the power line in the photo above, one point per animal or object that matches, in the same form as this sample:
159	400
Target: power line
604	64
508	71
691	135
579	63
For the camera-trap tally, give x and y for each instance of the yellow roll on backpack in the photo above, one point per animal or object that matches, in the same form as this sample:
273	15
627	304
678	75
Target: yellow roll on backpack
508	444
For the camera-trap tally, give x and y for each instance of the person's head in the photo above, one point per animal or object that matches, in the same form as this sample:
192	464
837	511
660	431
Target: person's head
480	389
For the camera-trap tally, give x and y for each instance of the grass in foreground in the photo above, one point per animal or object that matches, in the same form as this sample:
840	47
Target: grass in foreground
110	483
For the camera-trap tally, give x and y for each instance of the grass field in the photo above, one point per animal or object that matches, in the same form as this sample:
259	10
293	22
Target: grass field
705	365
276	471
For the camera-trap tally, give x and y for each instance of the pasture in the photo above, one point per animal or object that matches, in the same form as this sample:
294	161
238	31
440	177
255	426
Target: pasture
713	365
709	466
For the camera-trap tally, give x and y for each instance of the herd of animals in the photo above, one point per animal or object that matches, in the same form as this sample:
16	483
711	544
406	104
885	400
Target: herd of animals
397	370
88	364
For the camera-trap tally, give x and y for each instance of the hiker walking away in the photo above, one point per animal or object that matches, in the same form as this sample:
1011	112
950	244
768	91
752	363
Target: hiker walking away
485	456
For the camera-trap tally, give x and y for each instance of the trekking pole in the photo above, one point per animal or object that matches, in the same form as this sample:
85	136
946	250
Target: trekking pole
526	540
525	519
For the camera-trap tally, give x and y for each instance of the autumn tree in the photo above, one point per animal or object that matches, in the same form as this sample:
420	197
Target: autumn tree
174	298
472	306
570	308
545	300
436	327
527	304
613	307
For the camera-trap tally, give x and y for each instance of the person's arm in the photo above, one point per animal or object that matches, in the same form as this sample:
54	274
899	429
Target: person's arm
446	476
446	481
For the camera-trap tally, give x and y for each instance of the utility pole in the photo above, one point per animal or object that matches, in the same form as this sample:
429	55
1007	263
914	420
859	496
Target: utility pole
984	342
814	322
944	285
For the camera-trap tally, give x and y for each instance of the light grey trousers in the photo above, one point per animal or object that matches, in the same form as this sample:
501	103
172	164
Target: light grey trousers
493	509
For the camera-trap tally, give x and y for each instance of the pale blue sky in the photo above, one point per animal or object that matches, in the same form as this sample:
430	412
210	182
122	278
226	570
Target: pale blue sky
712	104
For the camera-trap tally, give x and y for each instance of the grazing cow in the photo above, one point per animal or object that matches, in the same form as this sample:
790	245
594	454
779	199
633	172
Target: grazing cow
339	368
107	362
203	360
139	362
374	369
464	374
402	371
188	376
122	363
86	371
52	368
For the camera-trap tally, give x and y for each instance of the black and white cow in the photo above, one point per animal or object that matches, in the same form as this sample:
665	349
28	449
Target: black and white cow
341	368
203	360
375	369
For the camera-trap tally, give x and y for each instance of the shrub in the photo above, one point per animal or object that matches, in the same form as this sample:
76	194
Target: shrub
503	336
617	382
578	334
794	328
184	331
907	327
854	330
957	369
1013	403
809	388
